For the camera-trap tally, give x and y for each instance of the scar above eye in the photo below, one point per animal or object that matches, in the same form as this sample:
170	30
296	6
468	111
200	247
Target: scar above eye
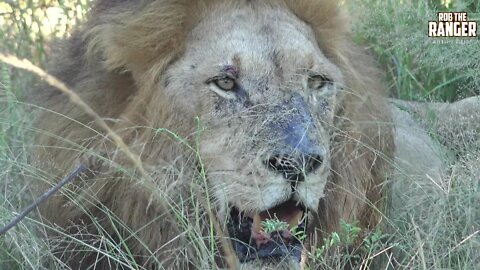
230	70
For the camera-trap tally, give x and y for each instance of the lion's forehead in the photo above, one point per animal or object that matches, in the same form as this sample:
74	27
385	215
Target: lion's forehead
259	41
262	20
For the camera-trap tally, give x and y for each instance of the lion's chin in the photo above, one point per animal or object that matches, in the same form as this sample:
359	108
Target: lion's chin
276	234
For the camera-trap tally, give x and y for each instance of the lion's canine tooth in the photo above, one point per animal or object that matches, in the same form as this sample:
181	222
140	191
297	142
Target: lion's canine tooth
257	223
296	219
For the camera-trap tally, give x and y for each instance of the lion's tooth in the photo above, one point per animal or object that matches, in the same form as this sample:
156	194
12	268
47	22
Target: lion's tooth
257	223
258	235
296	219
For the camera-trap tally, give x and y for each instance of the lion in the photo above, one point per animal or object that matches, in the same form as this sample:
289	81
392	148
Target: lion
240	111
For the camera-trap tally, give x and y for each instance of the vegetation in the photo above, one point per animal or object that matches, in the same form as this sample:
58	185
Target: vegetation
439	228
418	67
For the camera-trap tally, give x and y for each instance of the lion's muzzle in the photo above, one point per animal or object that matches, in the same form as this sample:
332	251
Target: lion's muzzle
295	151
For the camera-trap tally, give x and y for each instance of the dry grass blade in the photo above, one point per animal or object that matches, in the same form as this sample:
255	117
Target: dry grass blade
463	241
79	170
230	257
54	82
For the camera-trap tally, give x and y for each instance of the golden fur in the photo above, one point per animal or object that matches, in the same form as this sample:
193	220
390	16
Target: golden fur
117	62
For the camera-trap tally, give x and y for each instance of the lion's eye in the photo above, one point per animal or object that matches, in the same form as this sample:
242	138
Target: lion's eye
225	84
317	81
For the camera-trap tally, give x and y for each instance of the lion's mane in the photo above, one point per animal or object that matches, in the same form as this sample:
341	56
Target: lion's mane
115	62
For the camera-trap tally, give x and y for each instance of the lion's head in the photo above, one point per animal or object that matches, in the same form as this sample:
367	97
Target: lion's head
290	122
266	94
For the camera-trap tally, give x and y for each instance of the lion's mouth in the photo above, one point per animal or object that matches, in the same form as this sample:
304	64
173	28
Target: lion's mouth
276	233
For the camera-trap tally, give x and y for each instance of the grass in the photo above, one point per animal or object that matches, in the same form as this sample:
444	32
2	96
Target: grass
417	68
438	228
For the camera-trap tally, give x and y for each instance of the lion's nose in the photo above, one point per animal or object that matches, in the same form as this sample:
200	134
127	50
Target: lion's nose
294	168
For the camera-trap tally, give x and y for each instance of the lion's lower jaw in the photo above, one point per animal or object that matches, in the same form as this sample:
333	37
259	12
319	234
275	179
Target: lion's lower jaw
252	241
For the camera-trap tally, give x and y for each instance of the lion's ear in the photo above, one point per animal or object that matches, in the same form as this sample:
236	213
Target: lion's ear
134	37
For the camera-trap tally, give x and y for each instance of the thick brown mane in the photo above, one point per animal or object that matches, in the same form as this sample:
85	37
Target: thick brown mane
116	63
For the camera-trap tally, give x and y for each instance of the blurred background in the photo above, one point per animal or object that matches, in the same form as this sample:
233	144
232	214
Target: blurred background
394	31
